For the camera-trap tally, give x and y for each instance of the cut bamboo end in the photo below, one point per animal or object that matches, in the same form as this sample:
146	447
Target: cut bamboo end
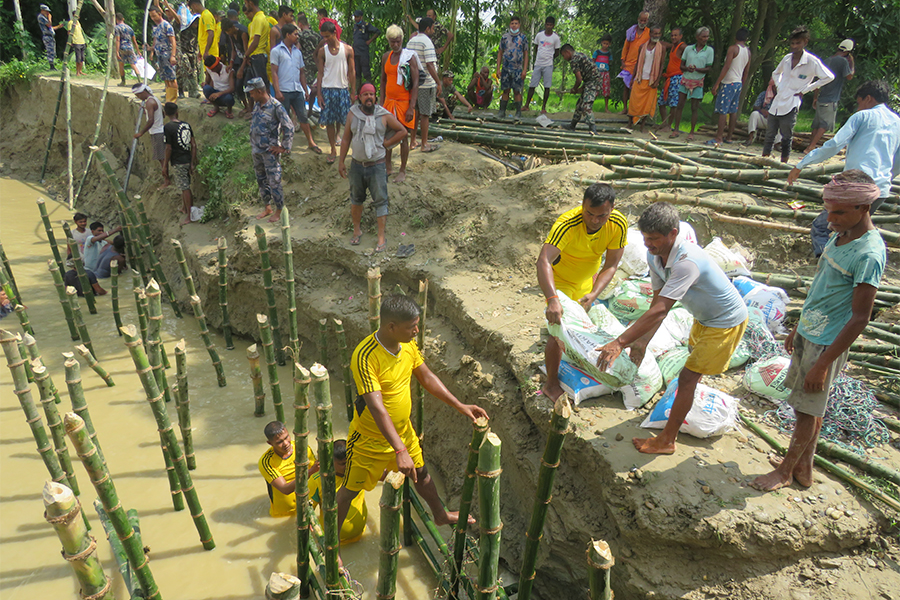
129	330
262	319
253	352
180	346
282	586
481	424
318	372
301	374
153	287
395	479
56	493
70	360
72	422
373	273
599	555
563	407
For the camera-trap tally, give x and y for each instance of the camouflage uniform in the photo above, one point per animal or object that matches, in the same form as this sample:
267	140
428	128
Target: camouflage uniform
590	80
309	41
186	69
270	122
48	37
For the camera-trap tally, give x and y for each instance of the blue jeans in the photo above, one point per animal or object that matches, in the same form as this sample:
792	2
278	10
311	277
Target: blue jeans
223	101
296	101
372	178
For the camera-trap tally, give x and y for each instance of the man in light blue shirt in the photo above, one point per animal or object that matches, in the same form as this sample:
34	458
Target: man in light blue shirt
872	138
289	78
94	243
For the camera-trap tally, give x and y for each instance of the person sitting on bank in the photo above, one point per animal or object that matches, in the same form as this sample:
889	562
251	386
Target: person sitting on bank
95	243
71	280
219	86
355	523
277	467
480	92
112	252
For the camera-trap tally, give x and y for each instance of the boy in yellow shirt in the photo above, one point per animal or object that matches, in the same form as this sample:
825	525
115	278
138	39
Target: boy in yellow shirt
277	467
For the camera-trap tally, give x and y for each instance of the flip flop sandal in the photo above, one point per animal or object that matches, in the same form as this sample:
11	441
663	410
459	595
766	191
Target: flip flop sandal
712	142
431	148
315	150
229	115
354	241
405	251
381	247
212	113
330	160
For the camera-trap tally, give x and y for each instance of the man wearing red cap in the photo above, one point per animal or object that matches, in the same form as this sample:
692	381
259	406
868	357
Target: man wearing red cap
836	311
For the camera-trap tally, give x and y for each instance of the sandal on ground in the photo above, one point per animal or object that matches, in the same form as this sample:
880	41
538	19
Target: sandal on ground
381	247
354	241
430	148
674	135
229	115
712	142
212	112
406	250
314	149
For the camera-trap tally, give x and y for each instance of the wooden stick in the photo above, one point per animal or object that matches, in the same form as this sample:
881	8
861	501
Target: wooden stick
54	422
288	250
760	224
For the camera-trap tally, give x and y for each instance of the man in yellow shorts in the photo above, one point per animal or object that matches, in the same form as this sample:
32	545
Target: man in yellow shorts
682	271
277	466
355	523
570	261
381	433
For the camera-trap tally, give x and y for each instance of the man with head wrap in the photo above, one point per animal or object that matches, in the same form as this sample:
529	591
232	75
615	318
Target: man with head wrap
836	311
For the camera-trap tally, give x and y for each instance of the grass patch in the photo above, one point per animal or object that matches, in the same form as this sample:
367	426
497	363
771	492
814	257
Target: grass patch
227	184
18	71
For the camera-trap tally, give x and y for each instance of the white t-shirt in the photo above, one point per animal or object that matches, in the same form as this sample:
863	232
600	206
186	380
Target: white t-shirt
547	45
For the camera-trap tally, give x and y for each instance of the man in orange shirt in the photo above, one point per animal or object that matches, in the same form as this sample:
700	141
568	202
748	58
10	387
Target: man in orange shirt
636	36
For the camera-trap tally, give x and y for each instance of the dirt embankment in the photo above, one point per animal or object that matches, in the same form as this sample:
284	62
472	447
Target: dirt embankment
688	528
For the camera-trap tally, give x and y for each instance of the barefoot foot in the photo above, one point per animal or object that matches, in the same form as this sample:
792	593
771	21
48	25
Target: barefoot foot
653	446
451	518
265	213
802	474
552	392
401	177
772	481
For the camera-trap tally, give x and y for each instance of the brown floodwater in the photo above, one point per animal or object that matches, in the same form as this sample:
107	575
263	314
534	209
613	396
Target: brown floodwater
228	442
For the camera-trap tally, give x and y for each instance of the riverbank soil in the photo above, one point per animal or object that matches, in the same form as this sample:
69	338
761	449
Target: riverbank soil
689	527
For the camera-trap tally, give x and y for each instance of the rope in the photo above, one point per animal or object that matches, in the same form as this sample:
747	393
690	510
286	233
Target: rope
66	518
488	474
84	553
102	593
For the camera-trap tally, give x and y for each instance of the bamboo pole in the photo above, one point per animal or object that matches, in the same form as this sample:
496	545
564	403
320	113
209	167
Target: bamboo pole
259	392
420	342
796	281
29	350
54	422
76	397
301	471
430	526
172	476
133	233
106	490
210	347
222	246
72	295
183	404
6	283
282	586
108	20
51	237
63	299
287	247
182	264
323	342
600	560
61	510
881	361
140	301
165	427
95	365
22	315
345	366
265	332
23	354
321	396
158	271
489	508
154	343
373	276
831	450
263	245
118	550
559	426
114	292
86	289
391	496
479	430
70	188
317	551
759	224
662	153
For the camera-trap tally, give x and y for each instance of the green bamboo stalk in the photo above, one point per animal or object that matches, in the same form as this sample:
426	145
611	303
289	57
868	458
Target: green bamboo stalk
259	392
886	397
892	424
76	397
317	551
183	402
223	292
420	342
600	560
345	366
881	361
110	49
114	287
891	349
23	393
72	296
95	365
51	237
391	496
793	282
134	235
182	264
61	510
885	326
263	245
629	160
86	288
22	315
301	470
210	347
140	302
31	352
46	389
430	526
662	153
559	426
118	550
6	284
479	430
282	586
106	490
23	354
489	508
288	250
373	276
407	513
71	179
172	476
63	299
154	343
321	396
864	463
323	342
165	427
265	332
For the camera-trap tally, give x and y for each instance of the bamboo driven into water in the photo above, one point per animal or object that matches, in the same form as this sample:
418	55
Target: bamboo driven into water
70	187
259	392
479	430
22	315
391	496
287	247
51	237
600	560
54	422
110	52
321	397
373	276
76	397
86	289
140	302
207	342
182	264
106	490
72	295
61	511
172	476
323	342
32	353
60	286
222	247
154	343
301	470
345	366
134	234
559	426
263	244
265	332
6	283
118	550
23	354
95	365
183	404
165	427
489	510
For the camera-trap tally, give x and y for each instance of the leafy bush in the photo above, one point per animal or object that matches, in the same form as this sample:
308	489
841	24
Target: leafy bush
225	170
18	71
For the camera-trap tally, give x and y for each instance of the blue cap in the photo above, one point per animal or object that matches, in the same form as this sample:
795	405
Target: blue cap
254	84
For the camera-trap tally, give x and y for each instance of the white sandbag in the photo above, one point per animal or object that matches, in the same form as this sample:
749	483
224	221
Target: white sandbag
631	299
741	355
766	378
713	412
605	321
678	323
634	259
730	261
579	385
661	342
687	232
745	285
672	362
645	385
772	302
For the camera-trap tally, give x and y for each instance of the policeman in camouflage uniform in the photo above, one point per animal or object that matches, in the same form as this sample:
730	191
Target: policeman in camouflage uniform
587	82
269	123
45	22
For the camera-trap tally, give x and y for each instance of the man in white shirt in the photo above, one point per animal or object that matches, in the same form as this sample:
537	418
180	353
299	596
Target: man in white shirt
795	75
547	45
430	88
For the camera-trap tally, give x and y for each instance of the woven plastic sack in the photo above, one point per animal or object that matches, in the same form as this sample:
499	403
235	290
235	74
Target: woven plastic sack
678	323
745	285
648	381
713	412
672	362
633	264
579	385
687	232
741	355
766	378
631	299
730	261
605	321
772	302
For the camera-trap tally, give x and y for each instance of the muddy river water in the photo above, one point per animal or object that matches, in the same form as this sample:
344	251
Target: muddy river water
228	442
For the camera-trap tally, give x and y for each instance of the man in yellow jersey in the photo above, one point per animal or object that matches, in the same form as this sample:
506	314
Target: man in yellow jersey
570	261
207	36
258	49
277	467
381	433
355	523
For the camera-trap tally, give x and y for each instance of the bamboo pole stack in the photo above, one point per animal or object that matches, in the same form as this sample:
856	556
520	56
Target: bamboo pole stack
222	247
489	509
301	471
63	299
265	333
263	245
391	496
373	276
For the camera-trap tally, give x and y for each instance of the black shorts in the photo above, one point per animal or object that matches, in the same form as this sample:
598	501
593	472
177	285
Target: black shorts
79	52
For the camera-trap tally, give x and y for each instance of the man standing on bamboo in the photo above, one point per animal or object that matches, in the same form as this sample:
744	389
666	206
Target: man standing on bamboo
836	311
512	60
381	433
681	271
399	92
164	47
635	37
336	84
276	465
647	72
587	83
570	261
271	135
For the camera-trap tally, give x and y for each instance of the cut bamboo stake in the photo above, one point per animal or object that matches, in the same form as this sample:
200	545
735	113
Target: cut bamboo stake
22	315
263	245
54	422
63	299
32	353
323	342
154	343
345	366
559	426
282	586
374	279
265	332
51	237
165	427
95	365
185	272
7	268
140	301
301	469
72	295
76	397
479	430
172	476
259	392
23	354
321	396
600	560
6	283
223	292
210	347
288	249
61	510
183	403
489	509
420	341
118	550
86	289
106	490
317	551
71	179
114	292
391	496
